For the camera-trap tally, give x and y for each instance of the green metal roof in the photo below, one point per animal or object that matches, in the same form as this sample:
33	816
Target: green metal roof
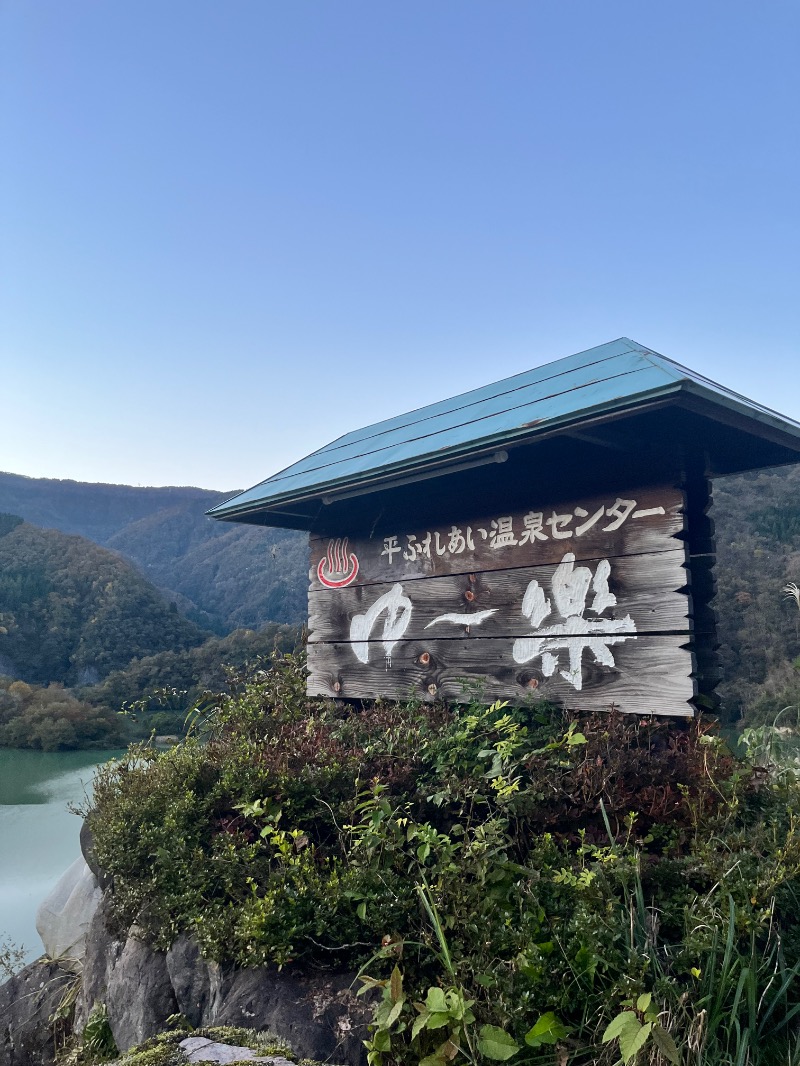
612	378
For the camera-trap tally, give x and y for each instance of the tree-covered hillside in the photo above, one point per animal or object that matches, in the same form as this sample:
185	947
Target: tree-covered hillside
757	520
94	511
167	685
224	576
72	612
51	718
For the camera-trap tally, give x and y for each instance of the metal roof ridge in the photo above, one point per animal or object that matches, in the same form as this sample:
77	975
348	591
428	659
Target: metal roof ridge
335	444
500	381
434	436
426	460
283	474
277	474
700	384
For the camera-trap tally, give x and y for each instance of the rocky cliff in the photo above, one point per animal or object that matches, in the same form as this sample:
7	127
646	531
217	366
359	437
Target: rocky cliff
316	1013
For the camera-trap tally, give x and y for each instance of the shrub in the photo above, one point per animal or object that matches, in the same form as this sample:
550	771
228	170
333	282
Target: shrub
507	878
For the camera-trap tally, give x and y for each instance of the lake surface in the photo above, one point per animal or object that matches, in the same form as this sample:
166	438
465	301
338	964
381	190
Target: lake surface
39	837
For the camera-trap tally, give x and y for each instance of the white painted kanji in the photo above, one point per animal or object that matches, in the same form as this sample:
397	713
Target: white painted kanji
398	615
537	527
575	633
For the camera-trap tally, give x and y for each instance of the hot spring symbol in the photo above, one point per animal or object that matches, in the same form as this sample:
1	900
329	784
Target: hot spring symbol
339	566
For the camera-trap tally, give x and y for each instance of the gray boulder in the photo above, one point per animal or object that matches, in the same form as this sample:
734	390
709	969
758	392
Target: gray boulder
63	918
194	981
103	950
317	1013
131	980
139	995
87	850
201	1049
27	1003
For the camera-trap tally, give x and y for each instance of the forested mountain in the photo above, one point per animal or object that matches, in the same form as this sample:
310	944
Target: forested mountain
223	576
93	511
71	612
83	633
757	520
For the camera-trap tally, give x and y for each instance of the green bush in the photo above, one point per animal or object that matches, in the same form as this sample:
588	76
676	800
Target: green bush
514	882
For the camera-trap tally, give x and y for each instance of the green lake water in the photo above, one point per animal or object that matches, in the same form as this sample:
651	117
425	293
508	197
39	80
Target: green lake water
39	837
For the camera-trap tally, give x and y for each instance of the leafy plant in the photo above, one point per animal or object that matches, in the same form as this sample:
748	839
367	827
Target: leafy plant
97	1040
776	750
637	1026
446	1012
12	956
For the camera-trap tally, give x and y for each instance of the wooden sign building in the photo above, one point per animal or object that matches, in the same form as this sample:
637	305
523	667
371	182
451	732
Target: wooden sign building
545	536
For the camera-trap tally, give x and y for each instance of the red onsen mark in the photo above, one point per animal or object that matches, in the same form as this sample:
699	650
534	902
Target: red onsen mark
338	567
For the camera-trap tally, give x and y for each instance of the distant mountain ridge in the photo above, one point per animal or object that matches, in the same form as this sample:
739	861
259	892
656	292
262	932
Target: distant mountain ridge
93	510
221	575
71	612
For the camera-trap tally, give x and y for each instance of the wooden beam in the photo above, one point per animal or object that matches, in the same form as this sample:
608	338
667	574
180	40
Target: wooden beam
652	675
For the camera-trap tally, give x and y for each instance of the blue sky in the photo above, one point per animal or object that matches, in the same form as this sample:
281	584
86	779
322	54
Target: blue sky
234	231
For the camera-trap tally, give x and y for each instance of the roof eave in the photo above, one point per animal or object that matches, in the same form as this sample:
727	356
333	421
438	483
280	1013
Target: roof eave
524	434
721	406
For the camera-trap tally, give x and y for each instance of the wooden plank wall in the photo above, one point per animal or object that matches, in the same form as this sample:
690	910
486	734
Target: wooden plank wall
583	601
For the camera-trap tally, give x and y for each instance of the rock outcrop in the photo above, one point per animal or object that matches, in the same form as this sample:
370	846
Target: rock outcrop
63	918
27	1003
317	1013
201	1049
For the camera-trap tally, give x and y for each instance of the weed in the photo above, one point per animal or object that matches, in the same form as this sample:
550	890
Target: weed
12	957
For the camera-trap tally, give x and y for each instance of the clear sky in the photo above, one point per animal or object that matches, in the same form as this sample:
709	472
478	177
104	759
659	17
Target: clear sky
233	231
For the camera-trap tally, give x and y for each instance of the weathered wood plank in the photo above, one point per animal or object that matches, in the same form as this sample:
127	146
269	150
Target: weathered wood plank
489	603
585	603
650	675
643	521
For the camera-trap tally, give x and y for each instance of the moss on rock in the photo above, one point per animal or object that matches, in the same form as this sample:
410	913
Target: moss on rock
164	1049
